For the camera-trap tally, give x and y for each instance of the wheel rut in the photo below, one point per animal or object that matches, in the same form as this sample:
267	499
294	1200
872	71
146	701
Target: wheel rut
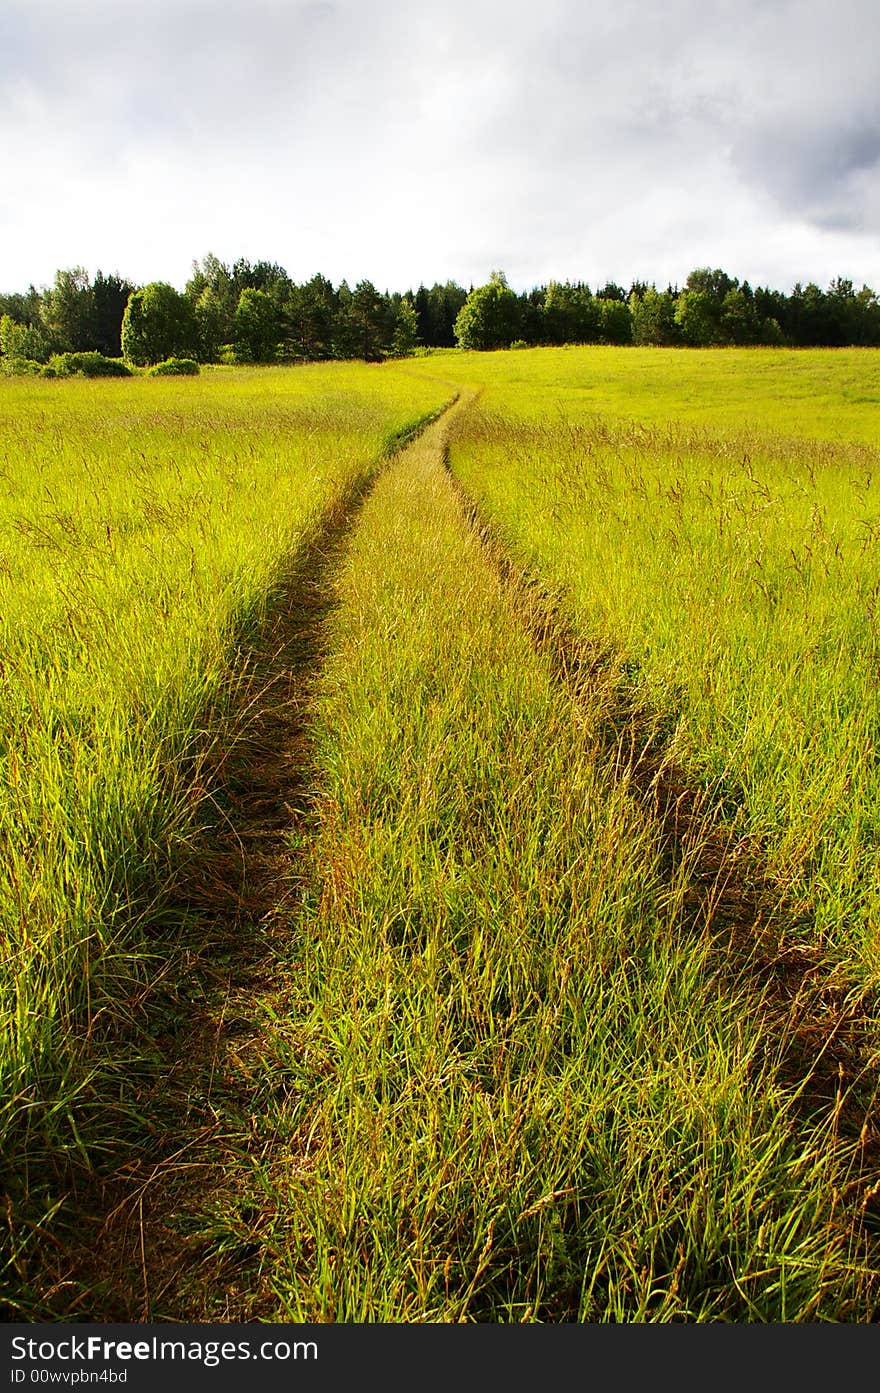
170	1230
174	1230
820	1026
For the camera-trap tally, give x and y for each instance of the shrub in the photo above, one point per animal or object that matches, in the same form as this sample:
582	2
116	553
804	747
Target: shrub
174	367
519	343
20	367
22	341
88	365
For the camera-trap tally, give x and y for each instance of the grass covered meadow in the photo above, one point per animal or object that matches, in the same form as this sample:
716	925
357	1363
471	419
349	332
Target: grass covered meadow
570	1006
524	1093
144	526
719	546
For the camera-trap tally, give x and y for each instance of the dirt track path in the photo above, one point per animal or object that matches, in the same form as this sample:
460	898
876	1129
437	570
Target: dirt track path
172	1232
178	1232
819	1030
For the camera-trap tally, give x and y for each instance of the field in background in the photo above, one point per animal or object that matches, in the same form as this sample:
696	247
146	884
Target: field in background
829	394
507	1062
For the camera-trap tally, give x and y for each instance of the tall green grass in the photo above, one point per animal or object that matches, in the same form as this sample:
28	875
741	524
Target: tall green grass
504	1076
507	1084
725	561
145	526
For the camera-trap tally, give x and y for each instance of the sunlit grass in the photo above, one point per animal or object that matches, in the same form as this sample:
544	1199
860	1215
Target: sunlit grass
144	528
500	1072
512	1086
725	557
829	394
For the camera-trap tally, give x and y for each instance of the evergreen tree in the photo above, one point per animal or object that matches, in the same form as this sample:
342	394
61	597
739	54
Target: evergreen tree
612	291
109	298
367	316
311	314
345	338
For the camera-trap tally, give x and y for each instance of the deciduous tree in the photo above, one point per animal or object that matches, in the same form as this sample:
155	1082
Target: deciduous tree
406	330
22	341
653	317
158	323
489	317
68	311
257	327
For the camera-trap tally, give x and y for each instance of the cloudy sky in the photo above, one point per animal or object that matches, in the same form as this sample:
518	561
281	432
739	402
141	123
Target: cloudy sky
408	140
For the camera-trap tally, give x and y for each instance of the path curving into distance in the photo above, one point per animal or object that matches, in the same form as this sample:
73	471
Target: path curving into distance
457	1046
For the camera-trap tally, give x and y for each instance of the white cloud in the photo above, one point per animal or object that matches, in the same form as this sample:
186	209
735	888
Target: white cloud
376	138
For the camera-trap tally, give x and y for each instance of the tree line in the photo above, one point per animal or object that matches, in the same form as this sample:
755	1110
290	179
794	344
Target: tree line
255	313
712	309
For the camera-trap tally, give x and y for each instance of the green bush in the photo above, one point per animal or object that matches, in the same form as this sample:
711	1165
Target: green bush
175	367
20	367
88	365
22	341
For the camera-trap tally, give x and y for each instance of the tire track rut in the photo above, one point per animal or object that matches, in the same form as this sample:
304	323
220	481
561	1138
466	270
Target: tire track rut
149	1244
821	1027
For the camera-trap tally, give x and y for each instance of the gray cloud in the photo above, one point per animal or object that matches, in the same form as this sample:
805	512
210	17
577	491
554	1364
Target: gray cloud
813	169
380	138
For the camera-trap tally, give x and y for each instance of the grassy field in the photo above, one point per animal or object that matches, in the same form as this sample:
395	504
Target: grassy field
144	527
507	1050
718	546
521	1092
826	394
